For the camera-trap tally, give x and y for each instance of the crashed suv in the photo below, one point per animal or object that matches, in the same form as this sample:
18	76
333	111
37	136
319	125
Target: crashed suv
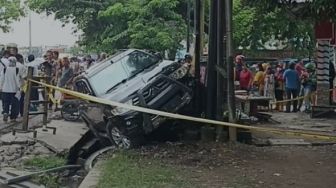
133	77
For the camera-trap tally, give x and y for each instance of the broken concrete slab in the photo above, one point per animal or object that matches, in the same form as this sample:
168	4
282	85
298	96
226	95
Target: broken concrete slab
286	142
19	138
67	134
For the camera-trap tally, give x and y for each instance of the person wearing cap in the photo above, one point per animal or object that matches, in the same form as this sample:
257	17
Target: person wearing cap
14	51
12	47
292	85
10	87
309	82
4	62
279	86
239	61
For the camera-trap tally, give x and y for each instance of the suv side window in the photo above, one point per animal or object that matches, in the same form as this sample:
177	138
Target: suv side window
110	76
137	61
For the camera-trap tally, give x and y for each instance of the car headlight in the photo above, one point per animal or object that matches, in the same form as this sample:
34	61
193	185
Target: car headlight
180	72
119	110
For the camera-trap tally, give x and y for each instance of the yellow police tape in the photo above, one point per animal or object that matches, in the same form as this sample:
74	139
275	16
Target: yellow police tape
53	99
312	135
303	97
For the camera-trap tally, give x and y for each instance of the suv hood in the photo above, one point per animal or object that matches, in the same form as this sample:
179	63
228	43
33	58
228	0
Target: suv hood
121	93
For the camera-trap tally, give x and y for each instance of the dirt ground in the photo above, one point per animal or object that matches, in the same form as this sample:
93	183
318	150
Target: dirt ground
245	166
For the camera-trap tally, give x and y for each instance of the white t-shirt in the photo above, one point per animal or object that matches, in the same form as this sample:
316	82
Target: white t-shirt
10	80
4	62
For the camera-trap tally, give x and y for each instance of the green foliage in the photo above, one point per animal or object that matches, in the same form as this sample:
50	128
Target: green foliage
10	10
312	9
254	25
243	20
160	24
48	181
125	169
44	163
115	24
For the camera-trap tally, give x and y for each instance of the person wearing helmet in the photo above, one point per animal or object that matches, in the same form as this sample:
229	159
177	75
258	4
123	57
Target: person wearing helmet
309	82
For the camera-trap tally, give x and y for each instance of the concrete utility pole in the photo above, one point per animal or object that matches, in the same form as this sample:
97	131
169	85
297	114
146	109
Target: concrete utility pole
198	49
188	25
229	62
221	80
30	33
212	61
202	25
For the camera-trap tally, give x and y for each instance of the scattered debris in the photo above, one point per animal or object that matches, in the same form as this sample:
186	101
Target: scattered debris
277	174
282	142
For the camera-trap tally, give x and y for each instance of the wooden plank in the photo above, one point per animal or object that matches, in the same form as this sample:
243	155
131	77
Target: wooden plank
249	98
26	103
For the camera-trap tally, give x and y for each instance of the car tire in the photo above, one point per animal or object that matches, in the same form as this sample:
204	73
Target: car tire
70	111
118	136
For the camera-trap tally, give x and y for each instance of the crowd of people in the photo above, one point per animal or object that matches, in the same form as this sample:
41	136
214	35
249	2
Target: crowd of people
280	81
13	73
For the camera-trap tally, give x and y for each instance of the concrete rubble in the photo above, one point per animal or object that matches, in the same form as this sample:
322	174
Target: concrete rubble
11	155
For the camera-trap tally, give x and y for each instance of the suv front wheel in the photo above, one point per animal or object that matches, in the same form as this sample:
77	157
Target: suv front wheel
118	136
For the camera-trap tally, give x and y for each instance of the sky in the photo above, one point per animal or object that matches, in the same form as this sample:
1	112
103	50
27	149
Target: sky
45	32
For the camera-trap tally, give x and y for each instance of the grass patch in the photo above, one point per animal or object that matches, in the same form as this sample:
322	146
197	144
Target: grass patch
125	169
44	163
241	182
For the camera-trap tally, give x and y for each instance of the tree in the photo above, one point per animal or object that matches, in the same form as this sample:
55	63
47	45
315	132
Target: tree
243	20
255	24
10	10
82	13
309	9
112	24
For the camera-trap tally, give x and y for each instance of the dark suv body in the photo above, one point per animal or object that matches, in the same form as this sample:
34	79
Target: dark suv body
134	77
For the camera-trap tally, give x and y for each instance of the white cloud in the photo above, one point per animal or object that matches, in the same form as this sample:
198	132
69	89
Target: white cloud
45	31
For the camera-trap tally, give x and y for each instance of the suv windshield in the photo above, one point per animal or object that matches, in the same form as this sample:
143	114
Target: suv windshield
121	70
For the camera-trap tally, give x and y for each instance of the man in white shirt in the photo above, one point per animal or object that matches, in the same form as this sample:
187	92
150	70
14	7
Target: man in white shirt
3	64
10	87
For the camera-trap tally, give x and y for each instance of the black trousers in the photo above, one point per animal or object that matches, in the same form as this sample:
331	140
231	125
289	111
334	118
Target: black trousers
11	103
291	94
279	94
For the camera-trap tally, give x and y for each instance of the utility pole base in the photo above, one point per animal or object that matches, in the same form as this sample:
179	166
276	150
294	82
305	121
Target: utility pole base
233	134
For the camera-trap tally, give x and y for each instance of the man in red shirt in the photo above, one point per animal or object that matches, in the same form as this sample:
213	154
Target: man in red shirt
245	78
